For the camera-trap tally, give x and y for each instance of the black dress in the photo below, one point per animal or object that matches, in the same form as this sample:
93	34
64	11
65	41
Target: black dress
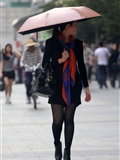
53	50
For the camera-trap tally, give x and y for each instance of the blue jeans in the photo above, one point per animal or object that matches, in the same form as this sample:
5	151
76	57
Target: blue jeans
102	71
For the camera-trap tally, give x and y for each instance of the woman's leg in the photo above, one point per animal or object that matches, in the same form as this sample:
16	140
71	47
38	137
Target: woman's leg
10	88
57	113
6	85
69	126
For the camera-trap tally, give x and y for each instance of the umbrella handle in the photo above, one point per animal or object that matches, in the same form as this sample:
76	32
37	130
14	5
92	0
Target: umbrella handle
36	36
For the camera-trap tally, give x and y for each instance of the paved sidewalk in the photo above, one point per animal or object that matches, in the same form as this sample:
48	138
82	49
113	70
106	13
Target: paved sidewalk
27	135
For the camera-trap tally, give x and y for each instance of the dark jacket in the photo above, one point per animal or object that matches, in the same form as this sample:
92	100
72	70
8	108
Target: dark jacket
53	50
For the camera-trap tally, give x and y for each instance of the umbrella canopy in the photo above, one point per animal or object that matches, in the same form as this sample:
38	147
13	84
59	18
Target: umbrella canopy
17	23
49	19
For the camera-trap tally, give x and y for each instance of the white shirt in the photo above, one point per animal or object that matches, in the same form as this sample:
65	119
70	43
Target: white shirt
102	54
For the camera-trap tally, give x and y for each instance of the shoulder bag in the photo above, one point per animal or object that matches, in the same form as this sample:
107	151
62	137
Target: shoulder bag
44	84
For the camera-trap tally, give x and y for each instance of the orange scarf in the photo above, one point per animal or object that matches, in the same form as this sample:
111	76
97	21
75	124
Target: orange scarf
69	69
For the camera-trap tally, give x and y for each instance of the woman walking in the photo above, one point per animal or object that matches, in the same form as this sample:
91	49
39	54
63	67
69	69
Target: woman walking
7	69
66	53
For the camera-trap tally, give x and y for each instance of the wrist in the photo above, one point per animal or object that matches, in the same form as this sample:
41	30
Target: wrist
86	88
61	60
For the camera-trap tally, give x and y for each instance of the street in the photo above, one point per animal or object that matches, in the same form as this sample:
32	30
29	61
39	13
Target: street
26	133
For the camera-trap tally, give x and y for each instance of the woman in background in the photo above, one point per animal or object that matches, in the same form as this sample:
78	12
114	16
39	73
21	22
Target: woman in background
7	69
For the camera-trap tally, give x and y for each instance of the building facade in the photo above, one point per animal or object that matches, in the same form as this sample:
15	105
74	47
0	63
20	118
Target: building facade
10	10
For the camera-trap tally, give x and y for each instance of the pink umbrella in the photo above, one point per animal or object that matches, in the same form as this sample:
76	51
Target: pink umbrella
50	18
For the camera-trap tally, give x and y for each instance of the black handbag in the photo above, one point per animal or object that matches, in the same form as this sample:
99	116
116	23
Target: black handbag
44	84
2	84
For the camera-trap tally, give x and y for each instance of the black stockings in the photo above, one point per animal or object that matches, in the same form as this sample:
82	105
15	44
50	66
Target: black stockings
66	115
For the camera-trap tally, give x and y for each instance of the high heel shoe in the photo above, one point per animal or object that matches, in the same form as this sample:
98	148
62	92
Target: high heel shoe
66	155
58	152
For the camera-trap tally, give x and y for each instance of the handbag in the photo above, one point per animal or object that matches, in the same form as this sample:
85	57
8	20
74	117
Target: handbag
44	84
2	84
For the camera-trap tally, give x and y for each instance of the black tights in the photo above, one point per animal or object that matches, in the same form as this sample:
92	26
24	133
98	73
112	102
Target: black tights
63	114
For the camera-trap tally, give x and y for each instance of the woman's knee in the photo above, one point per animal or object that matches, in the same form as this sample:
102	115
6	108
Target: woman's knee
58	114
6	85
58	121
6	81
9	84
69	121
70	113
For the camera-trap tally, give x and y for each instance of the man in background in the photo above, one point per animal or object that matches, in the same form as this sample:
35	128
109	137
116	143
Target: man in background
32	56
102	55
88	58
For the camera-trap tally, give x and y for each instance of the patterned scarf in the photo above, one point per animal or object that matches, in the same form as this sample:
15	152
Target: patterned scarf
69	69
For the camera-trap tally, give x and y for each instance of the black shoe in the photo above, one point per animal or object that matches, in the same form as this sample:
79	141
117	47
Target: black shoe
66	155
58	152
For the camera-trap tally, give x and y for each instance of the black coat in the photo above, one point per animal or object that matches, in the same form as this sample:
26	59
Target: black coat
54	49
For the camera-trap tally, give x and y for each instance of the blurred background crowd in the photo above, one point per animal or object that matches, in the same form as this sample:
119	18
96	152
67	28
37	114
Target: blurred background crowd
100	38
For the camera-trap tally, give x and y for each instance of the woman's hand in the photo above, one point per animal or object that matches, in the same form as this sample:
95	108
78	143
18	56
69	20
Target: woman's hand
1	69
88	95
65	56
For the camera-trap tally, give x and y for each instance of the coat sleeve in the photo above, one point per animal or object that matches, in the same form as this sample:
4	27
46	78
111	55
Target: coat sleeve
48	54
81	65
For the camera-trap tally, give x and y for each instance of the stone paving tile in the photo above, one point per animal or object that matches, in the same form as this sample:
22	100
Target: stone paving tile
102	157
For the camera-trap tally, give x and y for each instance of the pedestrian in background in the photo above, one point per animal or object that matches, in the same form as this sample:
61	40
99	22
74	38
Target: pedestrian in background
114	66
18	70
69	71
7	69
88	59
31	56
102	55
